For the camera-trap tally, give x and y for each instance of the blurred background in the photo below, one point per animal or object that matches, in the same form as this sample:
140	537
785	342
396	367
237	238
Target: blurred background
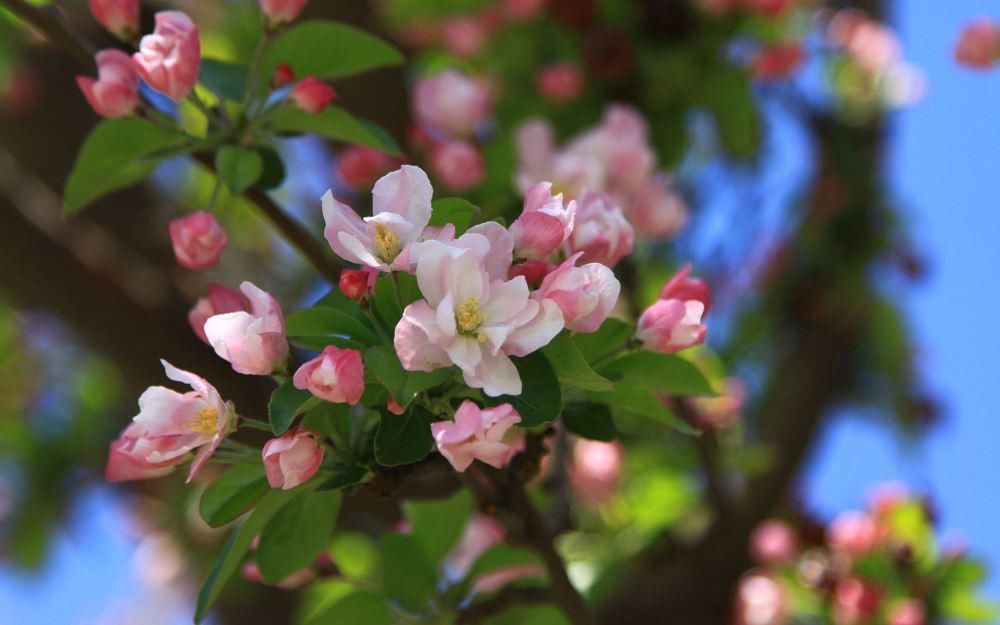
88	305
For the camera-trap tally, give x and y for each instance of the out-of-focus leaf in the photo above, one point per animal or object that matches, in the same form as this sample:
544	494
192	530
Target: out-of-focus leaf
540	400
408	577
225	79
329	50
437	525
590	420
639	400
297	534
354	553
571	367
272	168
334	123
362	607
233	493
728	96
240	168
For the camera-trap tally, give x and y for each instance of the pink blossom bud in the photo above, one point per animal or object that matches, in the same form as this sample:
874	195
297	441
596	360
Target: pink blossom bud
354	283
220	299
854	533
253	341
855	601
979	44
760	600
657	210
586	295
119	17
476	434
560	82
464	36
543	224
336	375
777	61
115	93
600	231
907	612
393	406
685	288
283	75
534	271
361	166
312	95
672	325
282	11
457	164
198	240
773	542
596	470
451	103
291	459
168	60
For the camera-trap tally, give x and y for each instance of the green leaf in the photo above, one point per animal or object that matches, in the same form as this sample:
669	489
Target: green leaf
437	524
329	50
612	335
323	416
664	373
232	494
286	403
590	420
641	401
500	557
454	210
236	548
240	168
729	97
116	154
571	367
297	534
361	607
387	305
342	478
225	79
405	438
334	123
540	400
408	577
403	385
319	323
273	168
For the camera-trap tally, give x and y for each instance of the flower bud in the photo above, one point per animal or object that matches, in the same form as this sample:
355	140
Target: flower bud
586	295
119	17
560	82
198	240
282	11
220	300
601	231
543	224
291	459
354	283
169	59
253	341
979	44
336	375
283	75
115	93
457	164
312	95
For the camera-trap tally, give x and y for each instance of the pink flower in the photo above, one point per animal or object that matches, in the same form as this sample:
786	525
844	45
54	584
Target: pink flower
855	601
312	95
543	224
979	44
777	61
472	316
672	325
476	434
773	543
360	166
723	411
560	81
284	74
220	299
451	103
657	210
586	295
401	209
601	231
291	459
596	470
354	283
168	59
336	375
198	240
907	612
685	288
457	164
480	533
169	426
534	271
464	36
282	11
760	600
115	93
854	533
119	17
253	342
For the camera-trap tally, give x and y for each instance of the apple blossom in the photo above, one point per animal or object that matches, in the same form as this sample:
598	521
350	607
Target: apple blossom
457	164
169	426
312	95
854	533
979	44
657	210
672	325
760	600
252	342
292	458
451	103
596	469
198	240
545	222
359	166
336	375
906	612
168	59
282	11
681	286
220	299
601	232
855	601
119	17
773	542
464	36
355	283
401	203
560	82
586	295
115	93
476	434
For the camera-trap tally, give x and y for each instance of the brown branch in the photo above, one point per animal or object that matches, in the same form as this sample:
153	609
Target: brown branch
503	600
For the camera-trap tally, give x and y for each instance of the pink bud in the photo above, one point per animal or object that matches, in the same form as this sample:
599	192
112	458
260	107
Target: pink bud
907	612
253	341
855	601
672	325
198	240
464	36
600	231
596	470
773	542
168	60
220	300
854	533
283	75
457	164
777	61
282	11
360	166
534	271
115	93
979	44
682	287
543	224
312	95
760	600
586	295
292	458
560	82
476	434
451	103
354	283
657	210
119	17
336	375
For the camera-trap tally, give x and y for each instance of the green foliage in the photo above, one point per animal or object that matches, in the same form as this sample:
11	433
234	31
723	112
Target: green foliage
393	293
454	210
361	607
571	367
272	168
729	98
117	153
540	400
437	524
639	400
354	553
334	123
286	403
239	168
499	557
590	420
408	577
297	534
232	494
315	328
329	50
662	373
225	79
611	336
403	385
405	438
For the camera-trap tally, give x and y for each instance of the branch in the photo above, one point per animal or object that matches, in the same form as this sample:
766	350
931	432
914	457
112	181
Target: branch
50	23
503	600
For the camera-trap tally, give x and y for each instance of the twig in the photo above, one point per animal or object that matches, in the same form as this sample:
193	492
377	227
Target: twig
506	598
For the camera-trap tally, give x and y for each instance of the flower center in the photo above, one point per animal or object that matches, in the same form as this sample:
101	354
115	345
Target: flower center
468	319
386	243
204	421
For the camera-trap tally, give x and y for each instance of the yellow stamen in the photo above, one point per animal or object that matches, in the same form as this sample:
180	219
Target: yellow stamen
468	319
386	243
204	421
